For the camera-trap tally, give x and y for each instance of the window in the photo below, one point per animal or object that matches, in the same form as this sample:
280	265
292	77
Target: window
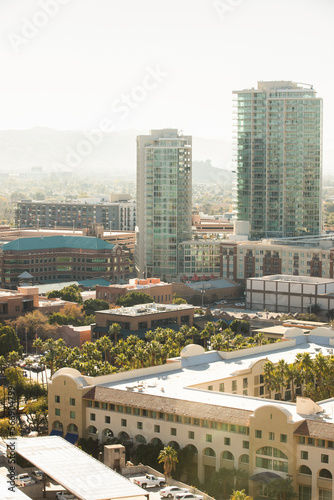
92	416
321	442
120	408
139	425
96	404
90	404
227	455
209	452
92	430
179	419
224	427
302	440
227	441
245	383
325	494
244	459
221	387
173	431
210	388
128	410
153	414
104	406
258	434
271	436
330	444
245	445
57	399
214	425
304	455
191	435
205	423
196	421
170	417
57	412
233	428
157	428
310	441
145	413
162	416
305	492
234	385
136	411
123	422
72	401
324	459
112	407
284	438
208	438
187	420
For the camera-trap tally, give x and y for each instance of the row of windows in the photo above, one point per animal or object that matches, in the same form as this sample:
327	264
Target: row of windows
283	437
170	417
72	400
321	443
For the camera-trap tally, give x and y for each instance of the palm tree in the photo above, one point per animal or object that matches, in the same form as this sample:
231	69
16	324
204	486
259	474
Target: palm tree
268	375
291	374
168	456
240	495
305	365
228	335
280	373
114	330
104	343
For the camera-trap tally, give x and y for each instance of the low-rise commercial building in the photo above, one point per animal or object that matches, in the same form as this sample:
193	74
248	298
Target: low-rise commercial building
59	258
144	317
160	291
217	405
282	293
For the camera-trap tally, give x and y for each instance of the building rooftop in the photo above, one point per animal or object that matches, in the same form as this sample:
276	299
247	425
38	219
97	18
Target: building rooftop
294	279
144	309
41	243
183	382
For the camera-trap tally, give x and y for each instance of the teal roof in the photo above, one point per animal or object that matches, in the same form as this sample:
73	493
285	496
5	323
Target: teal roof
43	243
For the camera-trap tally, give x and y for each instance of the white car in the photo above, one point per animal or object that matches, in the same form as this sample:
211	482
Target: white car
38	474
188	496
172	491
65	495
24	480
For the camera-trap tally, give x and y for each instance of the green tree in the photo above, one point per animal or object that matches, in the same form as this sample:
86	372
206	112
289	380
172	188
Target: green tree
71	293
36	413
7	429
268	375
240	495
168	456
178	300
9	341
90	306
134	298
114	330
281	489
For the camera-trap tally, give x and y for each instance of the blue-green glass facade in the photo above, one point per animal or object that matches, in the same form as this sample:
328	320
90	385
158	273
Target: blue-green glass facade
279	159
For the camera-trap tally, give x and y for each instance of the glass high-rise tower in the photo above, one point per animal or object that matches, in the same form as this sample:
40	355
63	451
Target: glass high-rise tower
164	201
278	159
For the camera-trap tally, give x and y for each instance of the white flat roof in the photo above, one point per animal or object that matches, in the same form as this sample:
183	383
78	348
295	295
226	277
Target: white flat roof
6	494
208	367
84	476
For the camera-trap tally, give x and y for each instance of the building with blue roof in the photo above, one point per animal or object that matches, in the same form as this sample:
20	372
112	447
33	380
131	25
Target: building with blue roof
54	259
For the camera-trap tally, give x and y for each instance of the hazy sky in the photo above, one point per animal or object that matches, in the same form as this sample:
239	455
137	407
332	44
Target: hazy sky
143	64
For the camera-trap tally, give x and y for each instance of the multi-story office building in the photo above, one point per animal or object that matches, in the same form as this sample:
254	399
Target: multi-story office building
163	201
218	405
313	257
58	258
279	159
119	215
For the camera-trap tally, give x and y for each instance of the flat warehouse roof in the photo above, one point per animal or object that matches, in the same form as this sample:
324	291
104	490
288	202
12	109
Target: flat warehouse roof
82	475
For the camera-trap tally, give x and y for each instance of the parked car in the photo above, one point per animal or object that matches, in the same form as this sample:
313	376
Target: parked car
65	495
188	496
24	480
38	474
149	480
172	491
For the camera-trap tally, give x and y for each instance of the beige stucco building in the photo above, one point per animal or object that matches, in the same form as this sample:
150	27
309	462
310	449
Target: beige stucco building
217	404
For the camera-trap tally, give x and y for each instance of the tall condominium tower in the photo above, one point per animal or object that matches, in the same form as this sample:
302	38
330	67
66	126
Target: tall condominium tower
163	201
279	159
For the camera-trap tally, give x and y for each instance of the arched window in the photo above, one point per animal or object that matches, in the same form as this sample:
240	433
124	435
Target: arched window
303	469
325	473
140	439
92	429
108	433
227	455
208	452
244	459
174	444
58	425
124	436
72	428
156	442
268	451
192	448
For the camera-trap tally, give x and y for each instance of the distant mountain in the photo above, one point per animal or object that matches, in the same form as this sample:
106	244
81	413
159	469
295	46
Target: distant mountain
204	172
111	154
